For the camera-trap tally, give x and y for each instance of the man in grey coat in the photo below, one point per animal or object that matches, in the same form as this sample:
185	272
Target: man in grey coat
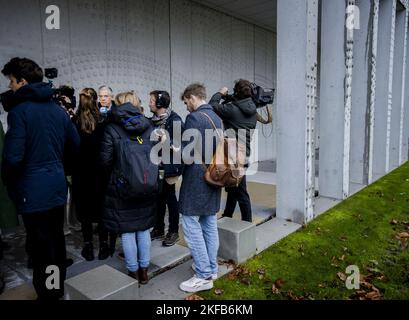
198	201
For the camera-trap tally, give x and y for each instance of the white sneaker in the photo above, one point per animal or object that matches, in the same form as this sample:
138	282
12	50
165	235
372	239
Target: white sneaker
214	275
195	284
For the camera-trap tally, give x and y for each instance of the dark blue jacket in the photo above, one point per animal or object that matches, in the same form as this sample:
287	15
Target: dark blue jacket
40	137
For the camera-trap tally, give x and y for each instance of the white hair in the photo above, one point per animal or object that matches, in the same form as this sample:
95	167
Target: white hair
105	87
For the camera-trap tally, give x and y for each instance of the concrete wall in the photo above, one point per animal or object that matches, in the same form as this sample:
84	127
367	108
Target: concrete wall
141	45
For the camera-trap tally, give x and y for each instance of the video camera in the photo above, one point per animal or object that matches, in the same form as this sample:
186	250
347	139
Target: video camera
62	92
260	96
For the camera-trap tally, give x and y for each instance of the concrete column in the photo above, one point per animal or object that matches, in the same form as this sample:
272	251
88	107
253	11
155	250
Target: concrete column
403	142
335	100
384	75
361	89
372	91
398	80
297	25
405	129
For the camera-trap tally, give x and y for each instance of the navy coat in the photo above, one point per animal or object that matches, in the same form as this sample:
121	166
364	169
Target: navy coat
197	198
40	137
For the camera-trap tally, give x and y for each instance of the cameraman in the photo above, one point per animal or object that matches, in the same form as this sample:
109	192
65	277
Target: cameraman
239	113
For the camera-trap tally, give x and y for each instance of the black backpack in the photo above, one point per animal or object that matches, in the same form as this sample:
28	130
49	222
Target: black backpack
134	175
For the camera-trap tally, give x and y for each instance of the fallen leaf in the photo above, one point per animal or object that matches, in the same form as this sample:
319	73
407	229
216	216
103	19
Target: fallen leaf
404	235
279	283
373	295
218	292
342	276
261	271
321	285
342	258
393	222
274	289
246	281
194	297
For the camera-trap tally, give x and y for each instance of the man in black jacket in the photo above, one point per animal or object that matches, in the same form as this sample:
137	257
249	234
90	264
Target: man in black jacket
239	115
40	137
167	120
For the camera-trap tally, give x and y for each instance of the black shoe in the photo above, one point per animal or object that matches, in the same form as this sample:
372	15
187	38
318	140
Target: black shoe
170	239
88	251
104	251
156	234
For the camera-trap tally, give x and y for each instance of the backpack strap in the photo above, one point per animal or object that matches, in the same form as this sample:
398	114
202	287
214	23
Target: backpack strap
217	131
122	134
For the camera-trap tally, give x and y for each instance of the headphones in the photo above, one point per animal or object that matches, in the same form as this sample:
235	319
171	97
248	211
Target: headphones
159	100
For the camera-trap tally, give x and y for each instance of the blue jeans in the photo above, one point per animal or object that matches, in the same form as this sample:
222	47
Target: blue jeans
137	250
202	238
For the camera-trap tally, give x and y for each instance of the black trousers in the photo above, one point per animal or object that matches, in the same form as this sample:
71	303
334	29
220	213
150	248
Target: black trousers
88	232
241	196
46	235
168	197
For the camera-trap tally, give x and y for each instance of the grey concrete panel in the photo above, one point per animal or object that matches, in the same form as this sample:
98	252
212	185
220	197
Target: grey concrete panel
397	89
383	84
360	97
332	103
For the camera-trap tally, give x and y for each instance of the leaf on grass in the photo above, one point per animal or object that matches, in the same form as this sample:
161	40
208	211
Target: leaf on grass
274	289
245	281
194	297
279	283
341	276
322	285
403	235
373	295
218	292
261	271
394	222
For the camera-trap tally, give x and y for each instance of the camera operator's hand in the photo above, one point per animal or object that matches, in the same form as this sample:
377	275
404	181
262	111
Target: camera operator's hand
224	91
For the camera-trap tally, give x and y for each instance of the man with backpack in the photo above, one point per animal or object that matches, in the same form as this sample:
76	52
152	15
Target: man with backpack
240	115
199	202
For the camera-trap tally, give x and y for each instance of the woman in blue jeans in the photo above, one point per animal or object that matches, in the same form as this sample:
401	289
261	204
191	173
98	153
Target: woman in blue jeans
125	212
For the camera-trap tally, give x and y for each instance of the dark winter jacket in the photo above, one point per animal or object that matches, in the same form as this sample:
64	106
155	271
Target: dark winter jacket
172	169
120	215
88	180
197	198
40	137
240	114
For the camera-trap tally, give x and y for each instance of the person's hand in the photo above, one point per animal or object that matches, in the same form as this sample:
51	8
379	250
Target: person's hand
224	91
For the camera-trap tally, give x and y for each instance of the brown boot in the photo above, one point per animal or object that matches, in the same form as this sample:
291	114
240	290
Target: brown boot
143	275
133	274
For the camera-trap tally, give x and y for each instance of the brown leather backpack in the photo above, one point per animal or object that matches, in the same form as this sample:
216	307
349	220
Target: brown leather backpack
227	166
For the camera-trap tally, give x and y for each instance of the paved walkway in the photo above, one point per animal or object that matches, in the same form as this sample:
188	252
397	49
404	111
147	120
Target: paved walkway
169	265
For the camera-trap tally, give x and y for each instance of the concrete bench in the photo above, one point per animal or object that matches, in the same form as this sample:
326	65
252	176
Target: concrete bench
237	239
102	283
